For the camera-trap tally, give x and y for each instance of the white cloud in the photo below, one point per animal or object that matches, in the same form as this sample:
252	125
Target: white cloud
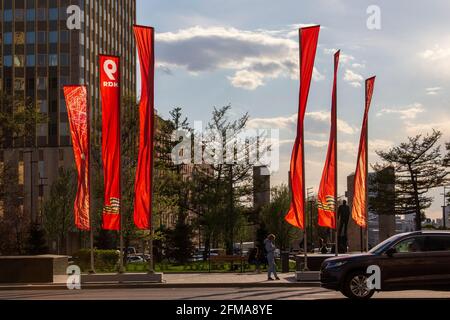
413	128
324	116
353	78
358	65
247	80
410	112
433	91
436	53
277	122
316	122
254	56
436	60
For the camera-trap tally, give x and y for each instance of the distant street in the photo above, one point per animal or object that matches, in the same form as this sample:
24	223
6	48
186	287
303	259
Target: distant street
206	294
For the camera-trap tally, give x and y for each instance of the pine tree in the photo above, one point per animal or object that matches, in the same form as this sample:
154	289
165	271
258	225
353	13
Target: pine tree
36	243
418	169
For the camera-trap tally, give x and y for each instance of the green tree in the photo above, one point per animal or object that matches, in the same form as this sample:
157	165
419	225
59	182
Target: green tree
273	217
58	208
179	244
418	168
382	195
19	118
36	243
14	222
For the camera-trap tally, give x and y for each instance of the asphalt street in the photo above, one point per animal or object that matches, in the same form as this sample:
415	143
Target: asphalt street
237	293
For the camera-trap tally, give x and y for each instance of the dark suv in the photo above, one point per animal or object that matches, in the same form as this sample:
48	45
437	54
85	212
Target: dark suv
409	261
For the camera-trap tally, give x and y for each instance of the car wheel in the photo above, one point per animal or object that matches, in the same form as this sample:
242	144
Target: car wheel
355	286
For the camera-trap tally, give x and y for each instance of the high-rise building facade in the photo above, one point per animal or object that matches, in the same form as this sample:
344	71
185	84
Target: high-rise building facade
44	45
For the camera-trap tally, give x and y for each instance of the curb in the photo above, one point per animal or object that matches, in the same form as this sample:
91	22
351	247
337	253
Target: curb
94	286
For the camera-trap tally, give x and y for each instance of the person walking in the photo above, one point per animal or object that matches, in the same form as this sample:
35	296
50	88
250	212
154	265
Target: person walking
269	247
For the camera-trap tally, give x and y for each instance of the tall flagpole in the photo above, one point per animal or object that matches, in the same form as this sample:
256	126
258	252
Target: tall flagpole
121	255
336	66
367	181
151	267
91	225
305	236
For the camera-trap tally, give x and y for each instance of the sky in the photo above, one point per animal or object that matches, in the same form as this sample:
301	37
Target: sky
245	53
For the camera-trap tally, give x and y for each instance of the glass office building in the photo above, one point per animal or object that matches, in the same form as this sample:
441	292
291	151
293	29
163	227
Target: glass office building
40	53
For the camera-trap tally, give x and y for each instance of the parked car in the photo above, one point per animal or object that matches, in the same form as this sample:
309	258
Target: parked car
135	259
409	261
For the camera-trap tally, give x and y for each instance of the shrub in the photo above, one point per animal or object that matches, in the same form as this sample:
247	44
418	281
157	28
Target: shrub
105	260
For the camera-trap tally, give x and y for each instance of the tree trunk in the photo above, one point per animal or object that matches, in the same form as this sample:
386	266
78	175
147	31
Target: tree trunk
416	200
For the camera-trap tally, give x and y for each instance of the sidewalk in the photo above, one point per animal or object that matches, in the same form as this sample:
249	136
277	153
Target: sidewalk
185	280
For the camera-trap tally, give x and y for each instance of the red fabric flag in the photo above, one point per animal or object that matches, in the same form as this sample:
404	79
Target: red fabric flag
327	196
308	46
143	187
359	205
78	112
110	95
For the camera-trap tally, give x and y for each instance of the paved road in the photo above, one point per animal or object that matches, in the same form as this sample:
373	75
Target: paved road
205	294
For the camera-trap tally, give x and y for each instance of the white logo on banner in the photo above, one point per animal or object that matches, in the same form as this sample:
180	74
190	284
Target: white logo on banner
110	68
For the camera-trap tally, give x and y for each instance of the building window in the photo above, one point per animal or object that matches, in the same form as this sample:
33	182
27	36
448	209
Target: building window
8	15
64	35
19	61
19	38
41	14
42	83
53	14
42	37
63	129
19	14
62	106
42	60
52	60
43	106
19	84
53	37
65	60
7	61
8	38
31	37
31	13
31	60
21	173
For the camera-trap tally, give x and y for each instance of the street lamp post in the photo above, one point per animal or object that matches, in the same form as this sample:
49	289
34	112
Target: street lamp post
32	162
444	207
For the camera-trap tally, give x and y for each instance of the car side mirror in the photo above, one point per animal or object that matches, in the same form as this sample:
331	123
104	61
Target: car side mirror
390	252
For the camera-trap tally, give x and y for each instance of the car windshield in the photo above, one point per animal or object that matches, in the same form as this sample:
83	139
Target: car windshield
383	246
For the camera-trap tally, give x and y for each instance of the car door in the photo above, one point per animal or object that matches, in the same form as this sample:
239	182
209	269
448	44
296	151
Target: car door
406	267
437	251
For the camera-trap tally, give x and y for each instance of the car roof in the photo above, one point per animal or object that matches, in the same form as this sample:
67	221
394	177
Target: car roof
432	232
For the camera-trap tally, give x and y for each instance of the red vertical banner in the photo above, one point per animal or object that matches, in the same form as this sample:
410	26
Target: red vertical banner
110	97
78	111
360	197
143	185
327	196
308	46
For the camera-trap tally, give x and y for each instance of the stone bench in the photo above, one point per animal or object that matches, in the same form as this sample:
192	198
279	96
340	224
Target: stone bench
33	269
